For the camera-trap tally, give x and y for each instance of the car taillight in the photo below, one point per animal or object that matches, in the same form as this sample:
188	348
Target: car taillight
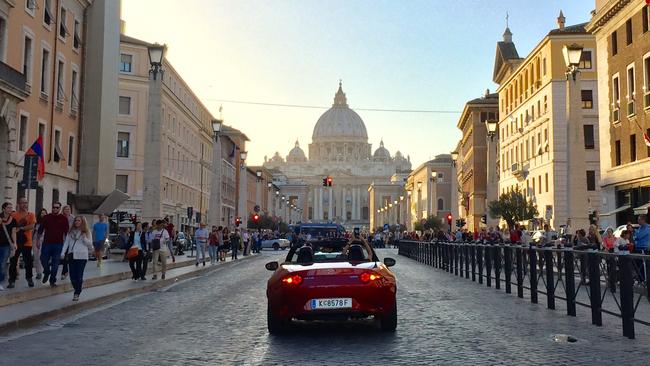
366	277
292	280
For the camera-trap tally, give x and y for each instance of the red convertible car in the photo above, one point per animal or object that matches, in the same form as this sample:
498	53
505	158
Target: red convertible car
331	280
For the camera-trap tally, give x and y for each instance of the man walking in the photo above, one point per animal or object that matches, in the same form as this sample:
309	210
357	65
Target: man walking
642	242
25	221
100	232
235	241
54	227
201	239
161	246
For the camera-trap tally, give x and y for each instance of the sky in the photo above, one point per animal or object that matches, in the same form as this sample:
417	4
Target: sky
430	55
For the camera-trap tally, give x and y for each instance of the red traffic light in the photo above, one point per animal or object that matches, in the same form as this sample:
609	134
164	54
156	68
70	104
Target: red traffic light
256	217
449	218
329	181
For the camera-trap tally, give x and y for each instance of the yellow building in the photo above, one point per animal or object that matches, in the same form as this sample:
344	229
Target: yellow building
533	115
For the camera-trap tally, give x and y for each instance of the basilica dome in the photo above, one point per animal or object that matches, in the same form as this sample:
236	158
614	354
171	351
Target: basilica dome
381	154
296	154
340	123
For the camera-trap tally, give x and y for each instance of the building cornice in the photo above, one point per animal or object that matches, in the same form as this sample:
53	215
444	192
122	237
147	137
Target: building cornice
608	12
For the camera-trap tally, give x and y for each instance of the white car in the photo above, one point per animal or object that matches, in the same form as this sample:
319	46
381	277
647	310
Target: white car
276	244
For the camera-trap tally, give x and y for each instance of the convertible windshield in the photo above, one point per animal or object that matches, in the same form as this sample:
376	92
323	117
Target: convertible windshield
333	251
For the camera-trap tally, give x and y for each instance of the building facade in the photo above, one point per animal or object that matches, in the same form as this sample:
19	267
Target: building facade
533	113
427	195
473	164
622	34
339	150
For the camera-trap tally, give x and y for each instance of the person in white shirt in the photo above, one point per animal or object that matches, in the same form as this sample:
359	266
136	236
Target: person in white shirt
161	246
78	244
201	239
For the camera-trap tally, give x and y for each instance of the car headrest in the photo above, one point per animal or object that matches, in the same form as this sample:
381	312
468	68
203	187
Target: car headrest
355	253
305	255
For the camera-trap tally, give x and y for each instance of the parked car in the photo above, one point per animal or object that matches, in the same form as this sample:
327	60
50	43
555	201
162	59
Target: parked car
276	244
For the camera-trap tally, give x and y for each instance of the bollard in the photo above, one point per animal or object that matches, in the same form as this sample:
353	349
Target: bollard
519	252
466	250
488	266
461	263
507	252
496	255
550	282
435	255
532	257
479	258
472	251
456	248
626	293
569	282
594	285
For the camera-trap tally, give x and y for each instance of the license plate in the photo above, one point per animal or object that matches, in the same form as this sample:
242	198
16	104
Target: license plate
334	303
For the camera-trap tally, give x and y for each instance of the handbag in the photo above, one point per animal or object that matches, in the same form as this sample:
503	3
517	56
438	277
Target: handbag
155	244
69	256
132	253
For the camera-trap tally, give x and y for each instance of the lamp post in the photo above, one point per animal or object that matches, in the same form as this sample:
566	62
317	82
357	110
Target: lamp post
454	183
419	210
576	201
409	213
152	197
215	185
491	192
243	185
269	198
258	189
434	193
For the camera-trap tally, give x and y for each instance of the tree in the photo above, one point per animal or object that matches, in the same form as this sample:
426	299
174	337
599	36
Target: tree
431	223
512	207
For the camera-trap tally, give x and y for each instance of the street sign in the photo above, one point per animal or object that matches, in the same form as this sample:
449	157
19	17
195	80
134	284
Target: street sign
386	226
30	172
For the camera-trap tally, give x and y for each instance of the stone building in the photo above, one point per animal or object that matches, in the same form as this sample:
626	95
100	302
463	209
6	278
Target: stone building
622	34
429	195
340	150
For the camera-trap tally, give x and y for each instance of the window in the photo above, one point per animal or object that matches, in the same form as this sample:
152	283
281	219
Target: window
545	104
55	195
614	43
628	31
546	182
644	20
617	153
585	60
76	41
587	99
45	71
647	141
58	154
123	144
591	180
441	204
74	101
70	149
122	182
22	133
544	66
632	148
27	59
616	97
126	62
646	81
125	105
30	5
630	90
63	30
539	184
590	142
59	81
47	12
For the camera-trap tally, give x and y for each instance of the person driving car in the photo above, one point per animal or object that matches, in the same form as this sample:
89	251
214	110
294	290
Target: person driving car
357	241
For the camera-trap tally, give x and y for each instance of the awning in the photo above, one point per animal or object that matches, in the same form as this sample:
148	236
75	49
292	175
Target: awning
622	208
642	210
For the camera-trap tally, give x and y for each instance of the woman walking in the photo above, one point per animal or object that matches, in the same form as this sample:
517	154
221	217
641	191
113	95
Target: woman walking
135	252
7	239
78	244
67	212
37	243
224	243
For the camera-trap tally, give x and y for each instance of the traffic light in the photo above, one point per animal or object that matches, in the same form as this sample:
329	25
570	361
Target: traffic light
329	181
324	182
449	218
256	218
237	222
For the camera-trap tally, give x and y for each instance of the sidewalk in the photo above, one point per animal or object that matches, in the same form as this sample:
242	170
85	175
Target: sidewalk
24	307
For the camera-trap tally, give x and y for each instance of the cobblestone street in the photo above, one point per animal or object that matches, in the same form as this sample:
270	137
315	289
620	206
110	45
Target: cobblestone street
220	319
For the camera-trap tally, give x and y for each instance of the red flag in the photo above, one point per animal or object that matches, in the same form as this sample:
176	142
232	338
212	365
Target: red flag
37	149
646	138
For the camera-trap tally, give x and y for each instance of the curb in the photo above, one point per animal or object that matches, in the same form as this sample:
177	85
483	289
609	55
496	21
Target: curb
45	291
36	319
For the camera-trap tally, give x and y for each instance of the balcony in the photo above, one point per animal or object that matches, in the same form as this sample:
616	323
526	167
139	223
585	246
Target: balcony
517	170
12	81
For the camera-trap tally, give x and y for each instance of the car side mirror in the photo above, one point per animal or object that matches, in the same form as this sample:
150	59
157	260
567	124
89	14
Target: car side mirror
389	262
272	266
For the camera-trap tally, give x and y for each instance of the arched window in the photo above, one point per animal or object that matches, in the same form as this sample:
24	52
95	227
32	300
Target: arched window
441	204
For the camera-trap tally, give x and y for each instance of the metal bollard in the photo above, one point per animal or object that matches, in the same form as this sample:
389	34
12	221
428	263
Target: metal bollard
532	256
472	253
456	248
507	252
626	270
519	252
496	255
466	250
594	286
488	266
550	282
479	258
569	282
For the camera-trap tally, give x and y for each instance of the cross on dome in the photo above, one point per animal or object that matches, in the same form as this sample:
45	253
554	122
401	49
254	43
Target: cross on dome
339	98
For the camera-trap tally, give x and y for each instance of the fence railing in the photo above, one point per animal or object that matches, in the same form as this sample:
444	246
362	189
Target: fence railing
610	283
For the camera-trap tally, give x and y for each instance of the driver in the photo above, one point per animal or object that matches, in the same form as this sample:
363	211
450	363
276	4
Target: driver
357	241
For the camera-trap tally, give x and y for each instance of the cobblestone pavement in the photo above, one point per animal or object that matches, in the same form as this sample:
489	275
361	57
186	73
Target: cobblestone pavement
220	319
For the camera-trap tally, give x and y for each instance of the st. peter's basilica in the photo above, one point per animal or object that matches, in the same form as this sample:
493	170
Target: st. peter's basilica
340	150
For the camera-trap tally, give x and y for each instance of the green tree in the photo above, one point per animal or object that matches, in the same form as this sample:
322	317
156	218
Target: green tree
431	223
512	207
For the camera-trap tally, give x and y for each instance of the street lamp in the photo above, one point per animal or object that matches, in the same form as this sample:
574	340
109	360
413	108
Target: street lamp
572	56
215	184
156	54
419	185
491	126
259	175
434	175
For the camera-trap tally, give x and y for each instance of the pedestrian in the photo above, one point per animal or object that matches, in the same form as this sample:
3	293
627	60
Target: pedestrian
145	241
161	246
594	237
642	244
78	244
7	239
25	221
235	241
135	252
67	212
225	243
246	242
54	228
37	244
213	246
609	241
201	239
123	240
100	233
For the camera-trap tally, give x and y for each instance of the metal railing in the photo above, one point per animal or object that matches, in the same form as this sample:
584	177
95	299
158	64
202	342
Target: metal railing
610	283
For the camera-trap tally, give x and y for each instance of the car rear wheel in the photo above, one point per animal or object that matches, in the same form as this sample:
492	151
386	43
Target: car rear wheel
275	324
388	322
276	246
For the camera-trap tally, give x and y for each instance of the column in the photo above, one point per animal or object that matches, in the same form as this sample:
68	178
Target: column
151	197
320	203
330	214
354	203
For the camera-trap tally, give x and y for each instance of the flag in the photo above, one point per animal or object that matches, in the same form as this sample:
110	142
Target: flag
37	150
646	138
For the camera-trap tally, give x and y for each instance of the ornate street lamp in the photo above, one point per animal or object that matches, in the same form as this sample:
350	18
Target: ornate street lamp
491	127
434	175
269	185
419	186
401	198
156	55
572	56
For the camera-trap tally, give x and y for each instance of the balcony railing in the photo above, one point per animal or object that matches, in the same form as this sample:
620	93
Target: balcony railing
13	78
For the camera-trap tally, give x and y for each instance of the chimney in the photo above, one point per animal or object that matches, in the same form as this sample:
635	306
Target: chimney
560	21
487	92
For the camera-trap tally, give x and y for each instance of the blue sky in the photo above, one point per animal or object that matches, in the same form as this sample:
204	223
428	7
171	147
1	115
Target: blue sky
424	55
